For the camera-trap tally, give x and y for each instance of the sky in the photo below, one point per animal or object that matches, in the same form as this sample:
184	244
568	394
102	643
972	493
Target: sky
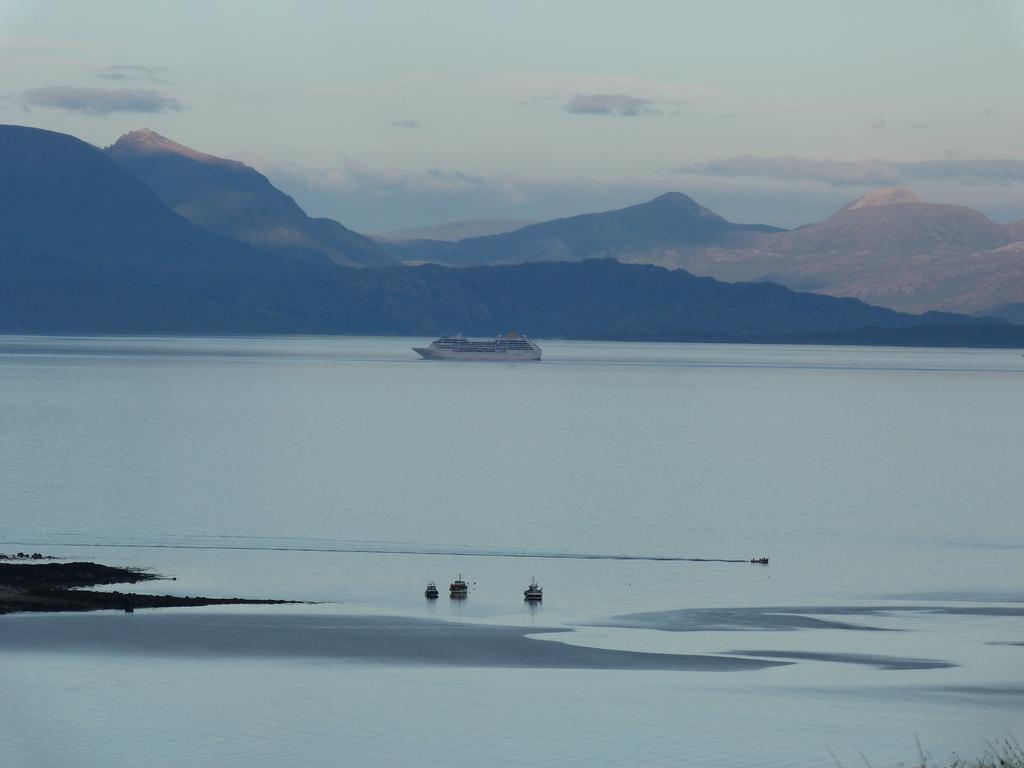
387	114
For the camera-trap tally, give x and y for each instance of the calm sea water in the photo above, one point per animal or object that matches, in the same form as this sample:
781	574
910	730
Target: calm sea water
884	484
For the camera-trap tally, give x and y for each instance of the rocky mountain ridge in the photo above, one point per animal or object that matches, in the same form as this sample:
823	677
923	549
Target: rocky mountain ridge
232	199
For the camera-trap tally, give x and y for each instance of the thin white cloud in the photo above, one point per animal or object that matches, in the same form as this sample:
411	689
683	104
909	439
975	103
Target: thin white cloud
614	96
134	72
381	199
353	176
100	101
620	104
660	91
867	173
386	199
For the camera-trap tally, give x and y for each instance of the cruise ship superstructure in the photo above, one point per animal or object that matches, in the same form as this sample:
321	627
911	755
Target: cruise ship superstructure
511	347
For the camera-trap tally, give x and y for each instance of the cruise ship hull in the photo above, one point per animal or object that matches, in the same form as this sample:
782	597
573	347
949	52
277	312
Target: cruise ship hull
505	349
430	353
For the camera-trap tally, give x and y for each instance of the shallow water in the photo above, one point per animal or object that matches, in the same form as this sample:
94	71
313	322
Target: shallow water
635	481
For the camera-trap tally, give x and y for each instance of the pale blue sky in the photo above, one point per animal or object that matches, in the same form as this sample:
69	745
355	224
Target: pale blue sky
390	114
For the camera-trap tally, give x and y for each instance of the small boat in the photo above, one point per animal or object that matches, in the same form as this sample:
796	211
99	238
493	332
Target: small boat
431	592
533	593
458	588
759	560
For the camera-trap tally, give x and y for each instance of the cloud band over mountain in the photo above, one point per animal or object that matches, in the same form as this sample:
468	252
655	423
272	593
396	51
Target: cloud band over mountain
862	173
100	101
379	200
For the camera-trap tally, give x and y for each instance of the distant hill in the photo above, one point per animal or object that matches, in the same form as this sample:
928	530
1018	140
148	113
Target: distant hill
63	201
896	224
1011	312
232	199
888	248
85	247
455	230
603	298
661	231
883	196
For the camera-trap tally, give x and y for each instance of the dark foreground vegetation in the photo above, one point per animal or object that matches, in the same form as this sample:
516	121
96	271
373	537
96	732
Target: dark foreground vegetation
28	587
1007	753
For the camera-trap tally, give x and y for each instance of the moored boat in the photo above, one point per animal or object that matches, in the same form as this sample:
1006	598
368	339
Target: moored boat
458	588
431	592
533	593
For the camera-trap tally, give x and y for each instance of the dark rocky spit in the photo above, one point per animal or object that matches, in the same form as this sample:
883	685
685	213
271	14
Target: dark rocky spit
54	587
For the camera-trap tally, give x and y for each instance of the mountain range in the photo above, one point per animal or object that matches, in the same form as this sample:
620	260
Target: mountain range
888	248
87	246
643	233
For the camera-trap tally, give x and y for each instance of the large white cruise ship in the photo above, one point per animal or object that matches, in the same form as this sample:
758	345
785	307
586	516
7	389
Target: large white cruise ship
510	347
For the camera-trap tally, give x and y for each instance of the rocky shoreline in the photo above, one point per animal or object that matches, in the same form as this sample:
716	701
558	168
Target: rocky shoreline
53	587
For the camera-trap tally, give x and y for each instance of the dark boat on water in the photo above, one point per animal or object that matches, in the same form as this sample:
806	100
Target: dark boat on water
458	589
431	592
533	593
759	560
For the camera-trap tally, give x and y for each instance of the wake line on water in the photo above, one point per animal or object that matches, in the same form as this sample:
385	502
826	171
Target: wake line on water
397	551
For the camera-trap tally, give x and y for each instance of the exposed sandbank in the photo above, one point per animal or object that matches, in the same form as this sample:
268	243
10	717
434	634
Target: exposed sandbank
375	639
